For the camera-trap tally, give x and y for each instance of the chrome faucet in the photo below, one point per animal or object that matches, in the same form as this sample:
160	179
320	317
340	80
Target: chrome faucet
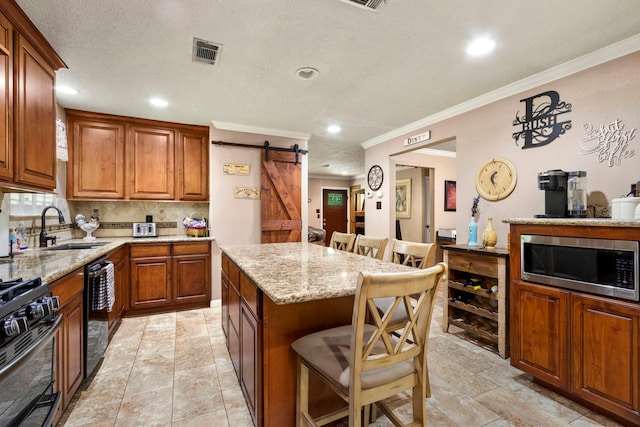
44	239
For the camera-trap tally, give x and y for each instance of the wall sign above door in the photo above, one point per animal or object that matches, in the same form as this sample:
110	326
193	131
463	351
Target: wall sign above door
540	124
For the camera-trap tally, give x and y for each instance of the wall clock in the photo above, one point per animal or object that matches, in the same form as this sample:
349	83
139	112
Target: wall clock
374	178
496	179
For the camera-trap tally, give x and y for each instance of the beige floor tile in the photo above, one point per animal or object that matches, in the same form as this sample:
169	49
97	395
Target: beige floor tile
193	352
151	408
217	418
196	391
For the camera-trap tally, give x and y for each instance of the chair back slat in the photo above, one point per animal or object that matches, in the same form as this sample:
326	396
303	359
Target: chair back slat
413	254
370	246
342	241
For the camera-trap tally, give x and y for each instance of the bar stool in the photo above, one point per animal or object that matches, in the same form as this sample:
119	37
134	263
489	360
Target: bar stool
370	246
342	241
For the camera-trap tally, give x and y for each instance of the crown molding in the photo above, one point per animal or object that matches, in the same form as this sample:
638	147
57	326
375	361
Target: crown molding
261	131
600	56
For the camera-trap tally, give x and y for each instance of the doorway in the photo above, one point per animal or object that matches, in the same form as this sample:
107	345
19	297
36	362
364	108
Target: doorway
334	212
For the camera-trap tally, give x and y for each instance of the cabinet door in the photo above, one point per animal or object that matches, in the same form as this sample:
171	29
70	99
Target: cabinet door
72	347
192	278
35	129
539	332
6	98
251	361
192	166
151	163
233	339
120	261
605	352
150	282
96	167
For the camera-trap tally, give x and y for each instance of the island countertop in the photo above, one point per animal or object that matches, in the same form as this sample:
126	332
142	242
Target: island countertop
297	272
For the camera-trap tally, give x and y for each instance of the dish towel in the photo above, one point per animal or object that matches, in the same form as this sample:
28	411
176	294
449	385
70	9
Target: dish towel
103	288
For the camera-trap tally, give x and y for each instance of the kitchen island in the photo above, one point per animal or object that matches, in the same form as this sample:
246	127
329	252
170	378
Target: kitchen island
273	294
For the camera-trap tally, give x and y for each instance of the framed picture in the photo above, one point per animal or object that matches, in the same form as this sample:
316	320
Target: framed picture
403	198
450	196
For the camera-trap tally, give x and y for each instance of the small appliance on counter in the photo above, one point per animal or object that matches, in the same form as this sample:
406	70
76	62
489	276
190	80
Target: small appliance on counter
565	194
145	229
625	208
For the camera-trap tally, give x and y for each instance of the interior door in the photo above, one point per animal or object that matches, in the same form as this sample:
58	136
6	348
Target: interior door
281	198
334	212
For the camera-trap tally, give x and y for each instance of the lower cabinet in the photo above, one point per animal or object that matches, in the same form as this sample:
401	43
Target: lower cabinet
174	275
585	345
69	341
120	260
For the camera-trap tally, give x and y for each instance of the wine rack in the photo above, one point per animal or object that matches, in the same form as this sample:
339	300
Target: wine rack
476	298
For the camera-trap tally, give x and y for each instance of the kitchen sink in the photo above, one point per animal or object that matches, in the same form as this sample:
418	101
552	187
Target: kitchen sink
71	246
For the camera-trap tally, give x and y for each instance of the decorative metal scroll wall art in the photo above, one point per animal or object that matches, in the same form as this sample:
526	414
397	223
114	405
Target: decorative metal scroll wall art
609	143
540	123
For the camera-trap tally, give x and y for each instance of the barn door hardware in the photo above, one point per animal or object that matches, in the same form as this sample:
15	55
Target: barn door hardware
266	147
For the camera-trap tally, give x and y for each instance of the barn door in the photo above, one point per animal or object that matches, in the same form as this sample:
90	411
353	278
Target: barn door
280	198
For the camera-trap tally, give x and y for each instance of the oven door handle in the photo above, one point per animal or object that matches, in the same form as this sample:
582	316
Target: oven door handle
32	351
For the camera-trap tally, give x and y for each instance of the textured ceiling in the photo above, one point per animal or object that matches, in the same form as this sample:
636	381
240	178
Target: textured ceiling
379	71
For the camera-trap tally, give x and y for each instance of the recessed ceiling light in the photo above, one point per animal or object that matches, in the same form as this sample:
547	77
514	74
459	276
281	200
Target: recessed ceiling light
158	102
307	73
334	129
480	46
66	89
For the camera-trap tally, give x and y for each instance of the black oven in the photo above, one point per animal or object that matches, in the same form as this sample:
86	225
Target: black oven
28	326
599	266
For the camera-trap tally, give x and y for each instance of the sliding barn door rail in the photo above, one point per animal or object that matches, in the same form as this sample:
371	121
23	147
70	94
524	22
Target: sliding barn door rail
295	149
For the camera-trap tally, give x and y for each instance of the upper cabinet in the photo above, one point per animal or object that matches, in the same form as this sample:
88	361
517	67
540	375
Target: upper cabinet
125	158
27	103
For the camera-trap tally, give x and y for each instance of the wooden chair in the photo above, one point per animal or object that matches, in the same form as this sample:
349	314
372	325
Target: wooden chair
362	362
370	246
342	241
418	255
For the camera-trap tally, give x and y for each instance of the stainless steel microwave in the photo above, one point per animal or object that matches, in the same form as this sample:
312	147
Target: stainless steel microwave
597	266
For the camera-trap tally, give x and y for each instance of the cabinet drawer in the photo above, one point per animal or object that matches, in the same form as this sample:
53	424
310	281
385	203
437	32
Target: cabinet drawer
68	286
191	248
473	263
250	294
234	274
225	264
141	251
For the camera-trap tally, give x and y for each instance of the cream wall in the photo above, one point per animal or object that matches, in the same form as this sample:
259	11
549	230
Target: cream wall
237	221
598	95
412	229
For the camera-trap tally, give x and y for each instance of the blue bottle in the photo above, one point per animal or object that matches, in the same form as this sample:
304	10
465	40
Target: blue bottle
473	233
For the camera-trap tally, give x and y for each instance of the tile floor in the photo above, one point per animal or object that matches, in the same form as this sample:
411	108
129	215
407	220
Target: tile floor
174	370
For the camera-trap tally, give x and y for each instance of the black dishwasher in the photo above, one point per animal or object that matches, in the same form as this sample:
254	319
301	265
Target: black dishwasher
98	301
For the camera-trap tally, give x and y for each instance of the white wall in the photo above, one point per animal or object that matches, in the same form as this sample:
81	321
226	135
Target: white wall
237	221
598	95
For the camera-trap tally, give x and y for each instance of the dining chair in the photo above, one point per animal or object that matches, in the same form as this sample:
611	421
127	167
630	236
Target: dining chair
418	255
370	246
362	362
342	241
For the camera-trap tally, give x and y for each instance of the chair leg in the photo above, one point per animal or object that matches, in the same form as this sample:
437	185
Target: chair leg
419	404
302	395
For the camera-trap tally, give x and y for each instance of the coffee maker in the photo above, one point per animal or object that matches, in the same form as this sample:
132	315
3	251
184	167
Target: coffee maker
554	184
565	194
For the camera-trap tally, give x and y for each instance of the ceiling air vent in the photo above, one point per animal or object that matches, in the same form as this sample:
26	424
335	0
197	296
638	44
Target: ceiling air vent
366	4
205	52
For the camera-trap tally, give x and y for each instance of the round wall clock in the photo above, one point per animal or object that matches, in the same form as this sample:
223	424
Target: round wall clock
496	179
374	178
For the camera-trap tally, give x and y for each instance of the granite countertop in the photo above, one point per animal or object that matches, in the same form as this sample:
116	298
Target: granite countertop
588	222
51	265
298	272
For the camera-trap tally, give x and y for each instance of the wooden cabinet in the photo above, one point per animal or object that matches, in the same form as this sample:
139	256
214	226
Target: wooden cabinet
151	163
192	166
175	276
69	339
192	272
27	107
96	158
120	260
233	310
584	346
606	352
476	299
540	346
6	98
150	281
160	160
356	210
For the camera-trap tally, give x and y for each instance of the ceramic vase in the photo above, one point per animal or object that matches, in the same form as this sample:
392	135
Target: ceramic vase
473	232
489	236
